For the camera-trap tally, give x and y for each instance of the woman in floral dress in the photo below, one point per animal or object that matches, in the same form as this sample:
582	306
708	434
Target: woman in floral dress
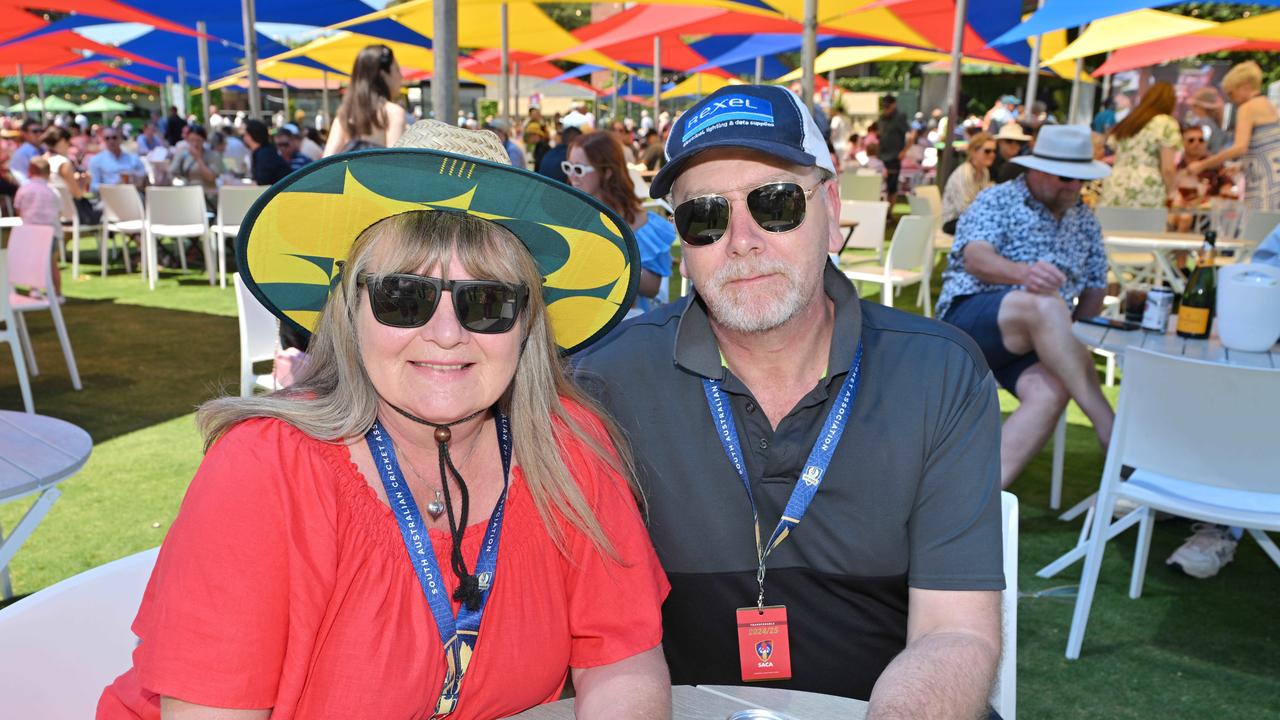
1146	143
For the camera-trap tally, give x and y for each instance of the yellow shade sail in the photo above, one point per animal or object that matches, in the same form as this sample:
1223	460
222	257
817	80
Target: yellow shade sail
1259	28
479	26
1133	28
698	84
339	51
843	57
1051	44
851	17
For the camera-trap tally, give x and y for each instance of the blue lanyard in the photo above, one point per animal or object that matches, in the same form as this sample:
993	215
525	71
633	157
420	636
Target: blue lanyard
458	636
815	468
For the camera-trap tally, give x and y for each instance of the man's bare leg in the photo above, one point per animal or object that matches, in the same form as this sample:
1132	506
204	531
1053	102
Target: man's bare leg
1042	323
1041	398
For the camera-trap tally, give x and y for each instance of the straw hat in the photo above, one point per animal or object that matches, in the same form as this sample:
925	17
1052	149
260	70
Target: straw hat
293	237
1012	131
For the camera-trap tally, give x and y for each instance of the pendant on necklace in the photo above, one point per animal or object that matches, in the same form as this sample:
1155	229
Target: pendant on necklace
435	508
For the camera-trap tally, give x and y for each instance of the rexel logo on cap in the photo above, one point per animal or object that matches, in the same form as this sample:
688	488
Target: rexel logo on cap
765	118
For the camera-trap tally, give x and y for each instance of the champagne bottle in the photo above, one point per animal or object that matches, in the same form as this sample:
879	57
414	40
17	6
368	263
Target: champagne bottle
1195	315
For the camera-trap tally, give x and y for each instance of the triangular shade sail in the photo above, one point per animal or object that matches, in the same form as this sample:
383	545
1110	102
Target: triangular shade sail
1059	14
479	26
698	84
1162	51
105	9
1134	28
339	51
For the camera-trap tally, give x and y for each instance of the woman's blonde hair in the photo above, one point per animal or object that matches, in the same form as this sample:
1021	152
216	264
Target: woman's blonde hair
977	141
1246	74
333	399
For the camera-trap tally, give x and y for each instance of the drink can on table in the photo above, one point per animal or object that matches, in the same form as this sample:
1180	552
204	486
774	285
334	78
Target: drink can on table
1155	316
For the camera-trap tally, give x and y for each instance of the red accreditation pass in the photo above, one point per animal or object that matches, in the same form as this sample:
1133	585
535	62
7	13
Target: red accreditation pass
763	646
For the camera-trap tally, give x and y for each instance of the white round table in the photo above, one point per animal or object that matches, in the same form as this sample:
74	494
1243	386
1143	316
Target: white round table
718	702
36	453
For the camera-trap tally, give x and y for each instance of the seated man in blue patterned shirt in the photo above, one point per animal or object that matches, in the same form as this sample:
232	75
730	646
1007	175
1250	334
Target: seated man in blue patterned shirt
1025	252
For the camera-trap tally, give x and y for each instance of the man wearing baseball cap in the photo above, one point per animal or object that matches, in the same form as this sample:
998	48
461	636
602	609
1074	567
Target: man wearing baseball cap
1025	251
820	471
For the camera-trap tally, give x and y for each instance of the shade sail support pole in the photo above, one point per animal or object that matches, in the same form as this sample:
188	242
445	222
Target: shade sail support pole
324	97
657	75
44	115
22	93
248	17
444	47
1033	70
515	88
809	51
759	69
182	85
1073	115
202	44
506	64
953	92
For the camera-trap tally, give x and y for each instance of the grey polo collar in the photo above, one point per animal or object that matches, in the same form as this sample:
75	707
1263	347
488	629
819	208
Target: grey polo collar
696	349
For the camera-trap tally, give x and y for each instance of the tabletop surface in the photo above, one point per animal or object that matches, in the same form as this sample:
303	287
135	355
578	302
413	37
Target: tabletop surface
718	702
1164	240
37	451
1170	343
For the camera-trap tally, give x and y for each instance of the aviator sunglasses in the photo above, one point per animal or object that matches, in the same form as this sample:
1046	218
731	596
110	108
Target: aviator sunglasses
777	208
408	301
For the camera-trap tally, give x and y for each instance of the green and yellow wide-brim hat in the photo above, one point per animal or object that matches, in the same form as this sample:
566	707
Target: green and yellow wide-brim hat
294	236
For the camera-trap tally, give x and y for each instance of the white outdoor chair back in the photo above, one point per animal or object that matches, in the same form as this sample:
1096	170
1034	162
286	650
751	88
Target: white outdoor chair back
176	206
854	186
234	202
641	185
910	244
1172	408
871	218
1004	694
64	644
1121	219
9	334
67	210
120	203
1257	225
29	249
932	196
259	338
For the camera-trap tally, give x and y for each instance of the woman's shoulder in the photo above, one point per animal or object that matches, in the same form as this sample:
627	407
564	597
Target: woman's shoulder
268	439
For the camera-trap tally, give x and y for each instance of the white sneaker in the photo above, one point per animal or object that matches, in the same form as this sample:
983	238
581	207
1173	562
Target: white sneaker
1205	552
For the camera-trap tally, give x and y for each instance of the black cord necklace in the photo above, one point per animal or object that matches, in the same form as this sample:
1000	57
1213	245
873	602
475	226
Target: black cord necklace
468	591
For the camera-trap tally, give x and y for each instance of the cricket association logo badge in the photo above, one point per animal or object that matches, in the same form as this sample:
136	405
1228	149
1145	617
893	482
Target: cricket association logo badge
764	651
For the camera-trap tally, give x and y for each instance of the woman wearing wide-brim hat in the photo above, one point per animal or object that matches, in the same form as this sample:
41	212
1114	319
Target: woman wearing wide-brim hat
432	522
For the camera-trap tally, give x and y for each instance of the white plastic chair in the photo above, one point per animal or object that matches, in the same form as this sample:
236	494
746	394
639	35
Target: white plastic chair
854	186
30	248
259	338
1004	695
904	264
11	336
1131	266
871	217
179	213
942	241
1257	225
64	644
1208	469
121	215
234	202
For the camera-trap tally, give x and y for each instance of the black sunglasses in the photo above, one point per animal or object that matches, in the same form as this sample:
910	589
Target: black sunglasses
409	301
776	208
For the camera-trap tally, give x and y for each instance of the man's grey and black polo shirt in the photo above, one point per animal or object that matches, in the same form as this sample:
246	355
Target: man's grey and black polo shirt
911	498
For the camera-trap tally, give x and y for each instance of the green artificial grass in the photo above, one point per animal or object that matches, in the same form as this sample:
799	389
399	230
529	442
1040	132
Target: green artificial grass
1187	649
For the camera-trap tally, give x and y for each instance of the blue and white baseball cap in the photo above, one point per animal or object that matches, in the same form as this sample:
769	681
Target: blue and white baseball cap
766	118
